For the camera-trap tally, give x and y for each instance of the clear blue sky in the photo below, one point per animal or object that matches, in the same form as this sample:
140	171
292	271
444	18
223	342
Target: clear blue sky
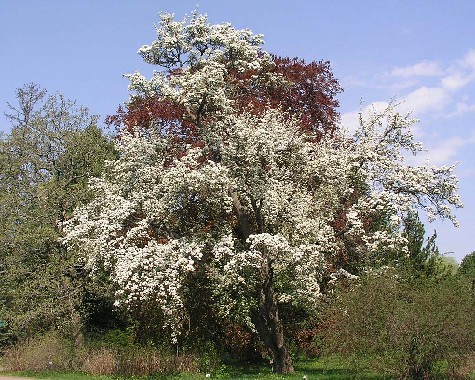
422	52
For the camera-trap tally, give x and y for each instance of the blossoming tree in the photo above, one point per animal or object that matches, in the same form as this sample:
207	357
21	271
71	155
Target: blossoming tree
250	197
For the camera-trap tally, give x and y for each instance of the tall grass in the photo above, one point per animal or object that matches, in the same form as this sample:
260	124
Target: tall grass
48	352
136	362
51	357
51	352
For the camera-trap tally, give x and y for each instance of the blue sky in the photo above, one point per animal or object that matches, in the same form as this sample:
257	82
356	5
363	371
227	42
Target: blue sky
421	52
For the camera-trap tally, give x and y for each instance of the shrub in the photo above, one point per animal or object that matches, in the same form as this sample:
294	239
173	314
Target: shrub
403	327
239	343
5	336
100	362
114	338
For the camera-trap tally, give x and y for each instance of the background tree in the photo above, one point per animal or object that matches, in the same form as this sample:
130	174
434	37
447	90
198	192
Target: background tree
308	91
248	199
46	160
422	260
467	269
467	266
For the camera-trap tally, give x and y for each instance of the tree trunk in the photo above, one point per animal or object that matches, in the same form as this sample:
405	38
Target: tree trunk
266	317
268	324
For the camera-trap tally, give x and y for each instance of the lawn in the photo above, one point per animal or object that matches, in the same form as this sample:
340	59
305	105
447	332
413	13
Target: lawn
311	369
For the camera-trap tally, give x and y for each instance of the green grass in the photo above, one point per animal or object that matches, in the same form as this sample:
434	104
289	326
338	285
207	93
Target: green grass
312	369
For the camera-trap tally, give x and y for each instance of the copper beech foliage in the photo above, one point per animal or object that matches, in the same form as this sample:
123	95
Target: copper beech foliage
310	93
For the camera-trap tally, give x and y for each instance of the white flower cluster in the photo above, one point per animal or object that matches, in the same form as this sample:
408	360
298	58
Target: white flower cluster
395	186
136	225
195	42
296	272
196	58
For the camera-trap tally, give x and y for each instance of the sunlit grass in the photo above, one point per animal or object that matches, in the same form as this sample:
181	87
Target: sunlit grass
326	369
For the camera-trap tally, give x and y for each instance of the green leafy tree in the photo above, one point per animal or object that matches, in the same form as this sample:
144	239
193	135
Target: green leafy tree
467	269
53	148
467	266
422	260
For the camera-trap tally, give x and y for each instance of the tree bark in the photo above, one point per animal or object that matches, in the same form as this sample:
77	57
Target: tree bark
244	228
266	317
268	324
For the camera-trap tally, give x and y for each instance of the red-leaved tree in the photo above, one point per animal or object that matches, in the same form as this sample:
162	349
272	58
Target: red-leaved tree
309	93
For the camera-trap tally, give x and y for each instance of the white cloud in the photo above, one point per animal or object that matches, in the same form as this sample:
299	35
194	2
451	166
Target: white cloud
462	108
452	95
424	68
350	121
443	152
469	60
461	73
425	99
456	81
427	96
435	99
376	107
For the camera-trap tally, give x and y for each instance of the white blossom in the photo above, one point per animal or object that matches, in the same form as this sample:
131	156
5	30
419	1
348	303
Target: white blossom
156	217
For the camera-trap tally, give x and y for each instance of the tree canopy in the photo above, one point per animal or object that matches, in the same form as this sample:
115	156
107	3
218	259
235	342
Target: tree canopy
257	196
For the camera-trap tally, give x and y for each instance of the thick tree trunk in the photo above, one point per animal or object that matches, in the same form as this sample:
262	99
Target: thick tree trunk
269	326
266	318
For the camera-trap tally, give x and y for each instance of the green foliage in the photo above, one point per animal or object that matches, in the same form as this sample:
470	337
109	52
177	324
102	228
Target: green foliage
53	148
448	265
467	266
209	360
5	335
114	338
404	327
422	261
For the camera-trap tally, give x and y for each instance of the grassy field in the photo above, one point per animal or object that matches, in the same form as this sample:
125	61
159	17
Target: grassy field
319	369
311	369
